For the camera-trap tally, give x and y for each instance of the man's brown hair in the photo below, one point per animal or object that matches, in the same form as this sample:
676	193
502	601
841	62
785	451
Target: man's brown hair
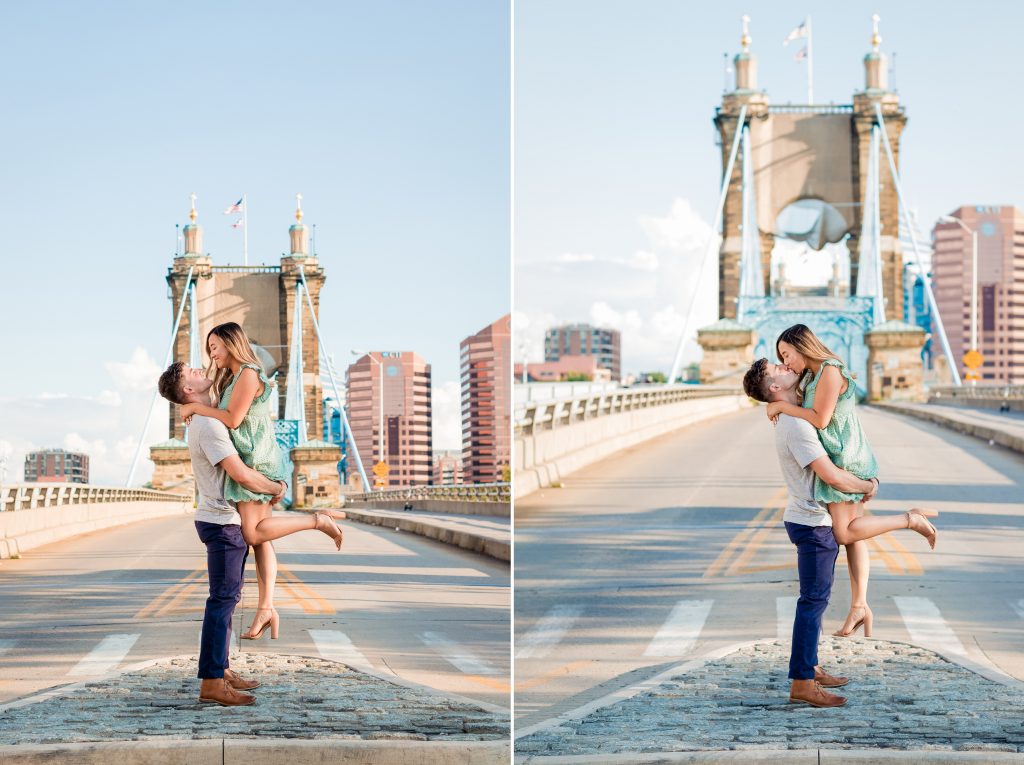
169	384
757	381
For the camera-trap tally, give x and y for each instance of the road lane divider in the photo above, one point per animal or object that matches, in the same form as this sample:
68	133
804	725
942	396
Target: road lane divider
107	654
457	655
680	631
926	626
548	632
335	645
547	677
764	518
308	600
785	613
171	595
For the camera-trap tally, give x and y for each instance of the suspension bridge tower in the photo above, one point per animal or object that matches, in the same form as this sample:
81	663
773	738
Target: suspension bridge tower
819	175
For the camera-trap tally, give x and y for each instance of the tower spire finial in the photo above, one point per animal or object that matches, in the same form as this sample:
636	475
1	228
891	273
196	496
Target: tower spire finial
876	39
745	39
193	214
298	207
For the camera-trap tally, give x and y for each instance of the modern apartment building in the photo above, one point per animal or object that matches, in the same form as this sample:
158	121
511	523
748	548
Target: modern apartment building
56	466
586	340
399	433
486	372
1000	298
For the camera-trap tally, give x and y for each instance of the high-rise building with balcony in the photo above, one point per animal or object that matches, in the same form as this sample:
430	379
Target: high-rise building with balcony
404	439
486	372
586	340
1000	300
56	466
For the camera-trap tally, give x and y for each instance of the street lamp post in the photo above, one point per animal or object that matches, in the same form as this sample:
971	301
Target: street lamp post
380	396
974	282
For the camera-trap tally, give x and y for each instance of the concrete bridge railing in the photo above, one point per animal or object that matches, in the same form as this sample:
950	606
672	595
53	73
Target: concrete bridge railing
39	513
464	499
1003	398
556	437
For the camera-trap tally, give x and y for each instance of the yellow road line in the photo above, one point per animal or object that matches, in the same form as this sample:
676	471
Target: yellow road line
311	602
498	685
549	676
759	569
171	592
741	537
890	562
910	561
755	543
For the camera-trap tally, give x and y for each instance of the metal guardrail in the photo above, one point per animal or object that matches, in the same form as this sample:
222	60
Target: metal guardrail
470	492
985	392
546	415
26	496
260	269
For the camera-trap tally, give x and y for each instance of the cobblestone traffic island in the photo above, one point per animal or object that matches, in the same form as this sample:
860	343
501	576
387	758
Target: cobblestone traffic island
900	697
300	698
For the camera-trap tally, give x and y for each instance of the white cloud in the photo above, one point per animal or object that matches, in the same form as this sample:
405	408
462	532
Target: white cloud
447	413
646	294
92	423
140	373
575	257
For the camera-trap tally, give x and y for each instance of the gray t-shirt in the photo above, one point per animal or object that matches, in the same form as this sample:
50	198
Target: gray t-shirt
797	444
209	443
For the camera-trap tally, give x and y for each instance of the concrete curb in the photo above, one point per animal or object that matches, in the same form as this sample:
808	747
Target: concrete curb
780	757
233	751
976	429
468	540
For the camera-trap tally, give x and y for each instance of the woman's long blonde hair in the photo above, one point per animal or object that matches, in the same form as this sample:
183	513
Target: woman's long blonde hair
807	345
237	344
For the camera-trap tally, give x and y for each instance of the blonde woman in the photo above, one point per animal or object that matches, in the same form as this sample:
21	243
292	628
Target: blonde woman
243	392
829	403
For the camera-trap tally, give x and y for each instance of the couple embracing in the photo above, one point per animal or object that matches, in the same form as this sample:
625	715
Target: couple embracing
240	476
831	473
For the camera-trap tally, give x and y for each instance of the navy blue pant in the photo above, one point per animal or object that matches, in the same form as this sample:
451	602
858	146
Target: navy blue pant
226	552
816	553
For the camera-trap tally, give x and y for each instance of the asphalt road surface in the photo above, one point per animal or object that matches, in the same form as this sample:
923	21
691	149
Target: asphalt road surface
675	548
399	604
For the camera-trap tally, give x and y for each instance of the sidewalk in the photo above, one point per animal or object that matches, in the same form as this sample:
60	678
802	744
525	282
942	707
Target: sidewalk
307	710
904	702
1003	429
486	534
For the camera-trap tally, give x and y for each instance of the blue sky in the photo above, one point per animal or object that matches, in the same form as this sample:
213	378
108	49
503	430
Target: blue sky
391	118
617	171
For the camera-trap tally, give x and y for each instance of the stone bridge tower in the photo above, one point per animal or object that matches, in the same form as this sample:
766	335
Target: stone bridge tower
262	300
810	152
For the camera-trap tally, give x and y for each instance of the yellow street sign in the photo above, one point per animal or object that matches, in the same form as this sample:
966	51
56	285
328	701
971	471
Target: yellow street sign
381	469
973	359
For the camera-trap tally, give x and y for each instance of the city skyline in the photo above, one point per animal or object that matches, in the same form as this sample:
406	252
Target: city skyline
102	158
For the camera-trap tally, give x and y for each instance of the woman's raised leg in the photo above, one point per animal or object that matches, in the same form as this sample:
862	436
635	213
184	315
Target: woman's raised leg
260	529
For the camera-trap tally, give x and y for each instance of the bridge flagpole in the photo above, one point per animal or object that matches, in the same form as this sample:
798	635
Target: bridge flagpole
741	121
334	383
167	360
917	254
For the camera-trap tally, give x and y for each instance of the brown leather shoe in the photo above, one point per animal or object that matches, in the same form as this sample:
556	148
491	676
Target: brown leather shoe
217	691
822	678
239	684
809	692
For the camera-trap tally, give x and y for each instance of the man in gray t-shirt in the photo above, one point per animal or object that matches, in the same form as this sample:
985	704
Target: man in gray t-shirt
801	458
219	527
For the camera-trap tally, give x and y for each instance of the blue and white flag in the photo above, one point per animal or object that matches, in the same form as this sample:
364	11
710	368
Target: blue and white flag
796	34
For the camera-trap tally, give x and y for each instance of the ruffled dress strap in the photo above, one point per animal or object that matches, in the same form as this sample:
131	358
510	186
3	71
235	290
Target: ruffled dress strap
850	391
263	379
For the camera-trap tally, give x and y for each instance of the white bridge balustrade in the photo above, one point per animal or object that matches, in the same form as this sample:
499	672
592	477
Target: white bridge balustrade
464	499
556	436
1003	398
34	514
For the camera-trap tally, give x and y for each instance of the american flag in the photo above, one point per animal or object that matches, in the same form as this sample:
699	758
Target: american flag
235	208
801	54
238	223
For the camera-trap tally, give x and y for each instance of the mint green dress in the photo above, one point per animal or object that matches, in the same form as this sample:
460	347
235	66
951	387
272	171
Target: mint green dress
254	440
843	438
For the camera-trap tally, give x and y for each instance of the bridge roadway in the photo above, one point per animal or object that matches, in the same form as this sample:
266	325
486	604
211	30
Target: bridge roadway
403	605
675	548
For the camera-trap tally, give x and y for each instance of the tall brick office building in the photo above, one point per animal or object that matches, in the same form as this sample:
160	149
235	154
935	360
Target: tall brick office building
486	374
